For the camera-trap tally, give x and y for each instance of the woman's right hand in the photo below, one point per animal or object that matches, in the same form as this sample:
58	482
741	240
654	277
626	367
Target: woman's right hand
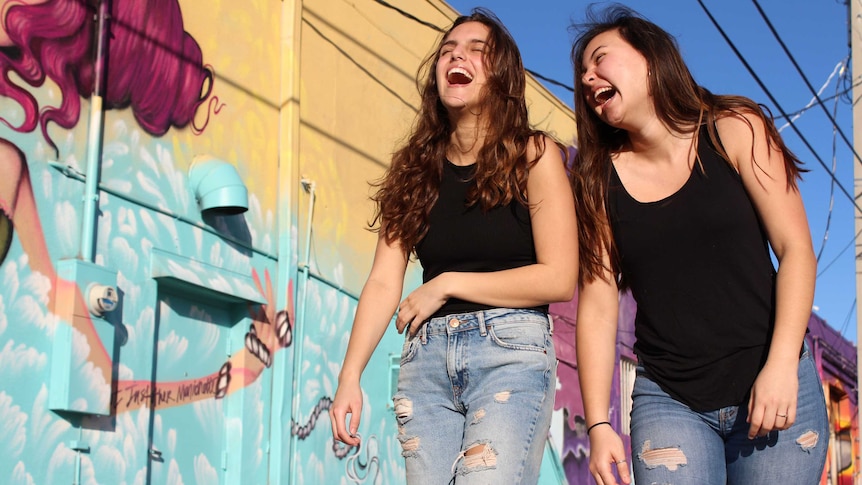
348	400
607	451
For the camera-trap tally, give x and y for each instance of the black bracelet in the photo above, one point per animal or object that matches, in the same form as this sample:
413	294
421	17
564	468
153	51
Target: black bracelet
597	424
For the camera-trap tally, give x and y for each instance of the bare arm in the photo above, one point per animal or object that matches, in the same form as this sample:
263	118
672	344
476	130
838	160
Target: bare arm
781	209
596	335
552	278
377	304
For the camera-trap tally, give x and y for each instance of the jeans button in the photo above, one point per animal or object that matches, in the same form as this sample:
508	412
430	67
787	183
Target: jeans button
454	323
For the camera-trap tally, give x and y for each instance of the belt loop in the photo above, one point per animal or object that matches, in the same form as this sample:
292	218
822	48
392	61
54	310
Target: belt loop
423	332
550	324
483	330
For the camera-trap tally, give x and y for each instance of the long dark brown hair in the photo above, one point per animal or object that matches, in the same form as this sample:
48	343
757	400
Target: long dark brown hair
680	103
409	189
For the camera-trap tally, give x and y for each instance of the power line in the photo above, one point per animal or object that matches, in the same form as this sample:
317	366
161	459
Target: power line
775	103
805	78
441	30
840	67
831	185
410	16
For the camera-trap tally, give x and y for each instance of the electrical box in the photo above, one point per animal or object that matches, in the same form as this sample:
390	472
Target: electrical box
85	295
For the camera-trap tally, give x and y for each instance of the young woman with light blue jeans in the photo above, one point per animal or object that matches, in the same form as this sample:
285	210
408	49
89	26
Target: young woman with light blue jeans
485	204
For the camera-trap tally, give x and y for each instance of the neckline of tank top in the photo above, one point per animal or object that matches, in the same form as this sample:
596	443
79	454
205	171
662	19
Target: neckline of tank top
461	168
682	188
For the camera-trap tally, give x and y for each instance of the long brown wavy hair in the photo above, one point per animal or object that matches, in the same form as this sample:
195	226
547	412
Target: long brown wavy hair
409	189
680	103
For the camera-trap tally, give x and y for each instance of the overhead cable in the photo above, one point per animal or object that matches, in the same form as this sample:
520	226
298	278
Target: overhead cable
805	78
439	29
795	116
776	104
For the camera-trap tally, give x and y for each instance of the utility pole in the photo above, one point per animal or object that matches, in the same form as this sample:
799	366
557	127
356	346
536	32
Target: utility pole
855	30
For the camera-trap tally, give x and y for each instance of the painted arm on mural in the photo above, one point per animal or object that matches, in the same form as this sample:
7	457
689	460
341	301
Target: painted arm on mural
377	304
596	333
552	279
779	205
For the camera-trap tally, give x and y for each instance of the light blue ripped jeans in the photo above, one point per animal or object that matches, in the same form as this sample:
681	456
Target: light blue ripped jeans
475	397
671	444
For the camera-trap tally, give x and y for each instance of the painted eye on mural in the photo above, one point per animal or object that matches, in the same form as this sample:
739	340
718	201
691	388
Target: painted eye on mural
5	236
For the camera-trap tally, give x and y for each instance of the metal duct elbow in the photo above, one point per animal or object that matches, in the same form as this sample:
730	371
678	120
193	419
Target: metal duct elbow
217	186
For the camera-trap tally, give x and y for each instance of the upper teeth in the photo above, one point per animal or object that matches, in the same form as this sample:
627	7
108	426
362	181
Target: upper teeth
601	91
460	70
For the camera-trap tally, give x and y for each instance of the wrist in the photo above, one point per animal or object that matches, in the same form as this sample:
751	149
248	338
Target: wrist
600	423
347	375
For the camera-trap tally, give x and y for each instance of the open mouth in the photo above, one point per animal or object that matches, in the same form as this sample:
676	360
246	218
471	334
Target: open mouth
459	76
603	95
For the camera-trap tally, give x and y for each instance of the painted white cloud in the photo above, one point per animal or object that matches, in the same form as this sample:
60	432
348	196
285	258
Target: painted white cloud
184	273
172	349
210	416
39	286
15	359
66	227
127	223
110	464
148	186
4	322
126	257
207	339
216	258
61	465
45	427
10	273
204	472
13	430
172	441
175	477
176	178
149	224
28	294
20	475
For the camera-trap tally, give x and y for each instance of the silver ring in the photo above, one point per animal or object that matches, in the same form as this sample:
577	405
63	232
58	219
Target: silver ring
781	415
621	461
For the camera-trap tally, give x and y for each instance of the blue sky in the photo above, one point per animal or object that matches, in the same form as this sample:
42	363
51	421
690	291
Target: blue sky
815	33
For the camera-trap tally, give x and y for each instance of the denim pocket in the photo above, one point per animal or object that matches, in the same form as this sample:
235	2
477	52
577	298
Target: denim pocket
521	334
408	350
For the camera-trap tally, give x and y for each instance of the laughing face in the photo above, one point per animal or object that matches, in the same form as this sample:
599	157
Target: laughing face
460	68
615	82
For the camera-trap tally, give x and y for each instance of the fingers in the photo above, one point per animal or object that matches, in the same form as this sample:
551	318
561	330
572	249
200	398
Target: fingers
344	425
624	472
408	319
764	419
604	475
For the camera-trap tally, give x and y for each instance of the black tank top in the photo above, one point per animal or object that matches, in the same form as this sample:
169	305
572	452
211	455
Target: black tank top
467	239
698	265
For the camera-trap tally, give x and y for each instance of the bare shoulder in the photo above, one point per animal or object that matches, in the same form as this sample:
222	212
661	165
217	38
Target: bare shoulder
740	129
542	147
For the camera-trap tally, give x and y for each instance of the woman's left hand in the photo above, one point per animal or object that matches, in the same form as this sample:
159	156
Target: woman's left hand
772	405
420	305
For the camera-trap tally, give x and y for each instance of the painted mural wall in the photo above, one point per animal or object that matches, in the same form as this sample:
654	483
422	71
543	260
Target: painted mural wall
103	125
217	332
